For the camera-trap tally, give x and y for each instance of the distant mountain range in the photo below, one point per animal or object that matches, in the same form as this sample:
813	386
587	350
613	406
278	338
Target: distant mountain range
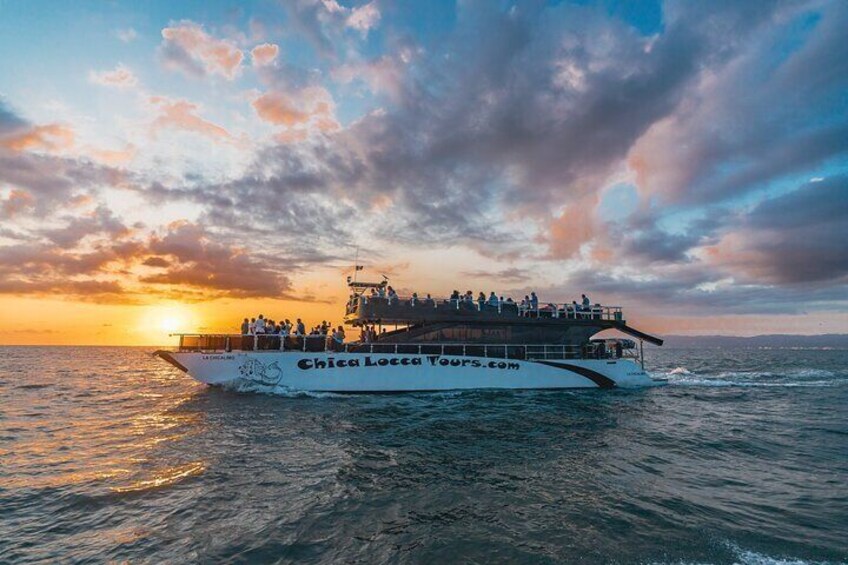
839	341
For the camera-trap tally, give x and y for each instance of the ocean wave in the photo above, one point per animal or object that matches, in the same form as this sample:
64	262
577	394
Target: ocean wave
749	557
681	376
244	385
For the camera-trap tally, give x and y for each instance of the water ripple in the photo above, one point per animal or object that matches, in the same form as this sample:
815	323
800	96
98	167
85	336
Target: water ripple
108	455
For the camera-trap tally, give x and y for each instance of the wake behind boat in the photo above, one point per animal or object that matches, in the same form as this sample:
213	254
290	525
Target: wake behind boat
436	344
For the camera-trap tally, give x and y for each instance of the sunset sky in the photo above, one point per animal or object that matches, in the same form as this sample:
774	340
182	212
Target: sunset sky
177	165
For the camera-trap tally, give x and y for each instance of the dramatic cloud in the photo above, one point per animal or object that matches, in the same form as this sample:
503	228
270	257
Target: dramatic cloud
796	238
98	258
204	264
753	118
188	48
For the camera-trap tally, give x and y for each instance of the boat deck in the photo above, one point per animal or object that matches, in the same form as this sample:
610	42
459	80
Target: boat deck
226	343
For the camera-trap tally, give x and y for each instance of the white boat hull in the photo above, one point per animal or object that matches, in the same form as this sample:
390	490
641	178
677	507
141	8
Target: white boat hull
369	372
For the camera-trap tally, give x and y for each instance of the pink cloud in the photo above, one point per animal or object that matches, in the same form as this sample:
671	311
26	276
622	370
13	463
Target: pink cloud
182	115
50	138
17	201
278	109
264	54
113	156
120	77
301	112
574	227
364	18
384	75
187	47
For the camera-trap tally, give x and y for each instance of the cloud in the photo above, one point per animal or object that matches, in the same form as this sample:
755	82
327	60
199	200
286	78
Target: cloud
199	262
509	275
127	35
15	202
795	238
120	77
276	108
364	18
187	47
52	138
97	258
182	115
310	108
756	116
264	54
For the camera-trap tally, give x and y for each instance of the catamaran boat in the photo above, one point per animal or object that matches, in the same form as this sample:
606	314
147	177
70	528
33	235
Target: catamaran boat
429	345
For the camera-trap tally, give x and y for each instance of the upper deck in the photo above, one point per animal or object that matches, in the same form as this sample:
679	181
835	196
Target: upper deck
410	310
571	322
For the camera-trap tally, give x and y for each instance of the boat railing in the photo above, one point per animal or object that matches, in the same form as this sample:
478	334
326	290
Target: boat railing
547	310
217	343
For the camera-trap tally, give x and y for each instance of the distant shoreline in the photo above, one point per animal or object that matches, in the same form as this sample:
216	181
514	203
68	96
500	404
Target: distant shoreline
769	341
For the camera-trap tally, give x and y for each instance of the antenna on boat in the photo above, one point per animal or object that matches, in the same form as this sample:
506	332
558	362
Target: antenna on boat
356	266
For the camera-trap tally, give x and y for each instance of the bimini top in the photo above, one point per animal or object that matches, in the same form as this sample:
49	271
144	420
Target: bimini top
365	309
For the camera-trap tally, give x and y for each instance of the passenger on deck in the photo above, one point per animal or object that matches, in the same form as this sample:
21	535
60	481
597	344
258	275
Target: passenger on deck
534	301
245	327
393	297
260	324
381	292
493	300
300	329
469	297
455	296
587	304
429	300
338	338
414	300
252	328
481	301
524	306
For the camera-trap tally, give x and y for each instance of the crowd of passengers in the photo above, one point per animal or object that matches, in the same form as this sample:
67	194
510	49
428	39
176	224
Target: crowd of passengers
528	306
262	326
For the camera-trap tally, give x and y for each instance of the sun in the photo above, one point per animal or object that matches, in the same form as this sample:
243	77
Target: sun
157	322
171	324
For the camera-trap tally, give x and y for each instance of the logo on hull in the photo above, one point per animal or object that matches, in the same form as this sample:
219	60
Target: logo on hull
256	371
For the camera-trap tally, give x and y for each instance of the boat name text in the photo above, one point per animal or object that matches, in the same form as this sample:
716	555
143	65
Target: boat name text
433	360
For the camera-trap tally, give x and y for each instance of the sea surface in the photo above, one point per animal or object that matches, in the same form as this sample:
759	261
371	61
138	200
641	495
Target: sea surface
111	455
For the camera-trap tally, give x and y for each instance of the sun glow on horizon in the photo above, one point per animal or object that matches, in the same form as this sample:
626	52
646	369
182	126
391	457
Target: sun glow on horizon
161	320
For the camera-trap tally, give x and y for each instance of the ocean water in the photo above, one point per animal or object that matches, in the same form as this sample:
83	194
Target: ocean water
107	454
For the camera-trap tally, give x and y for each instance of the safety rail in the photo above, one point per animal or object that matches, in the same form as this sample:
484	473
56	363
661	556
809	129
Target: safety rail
212	343
570	311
